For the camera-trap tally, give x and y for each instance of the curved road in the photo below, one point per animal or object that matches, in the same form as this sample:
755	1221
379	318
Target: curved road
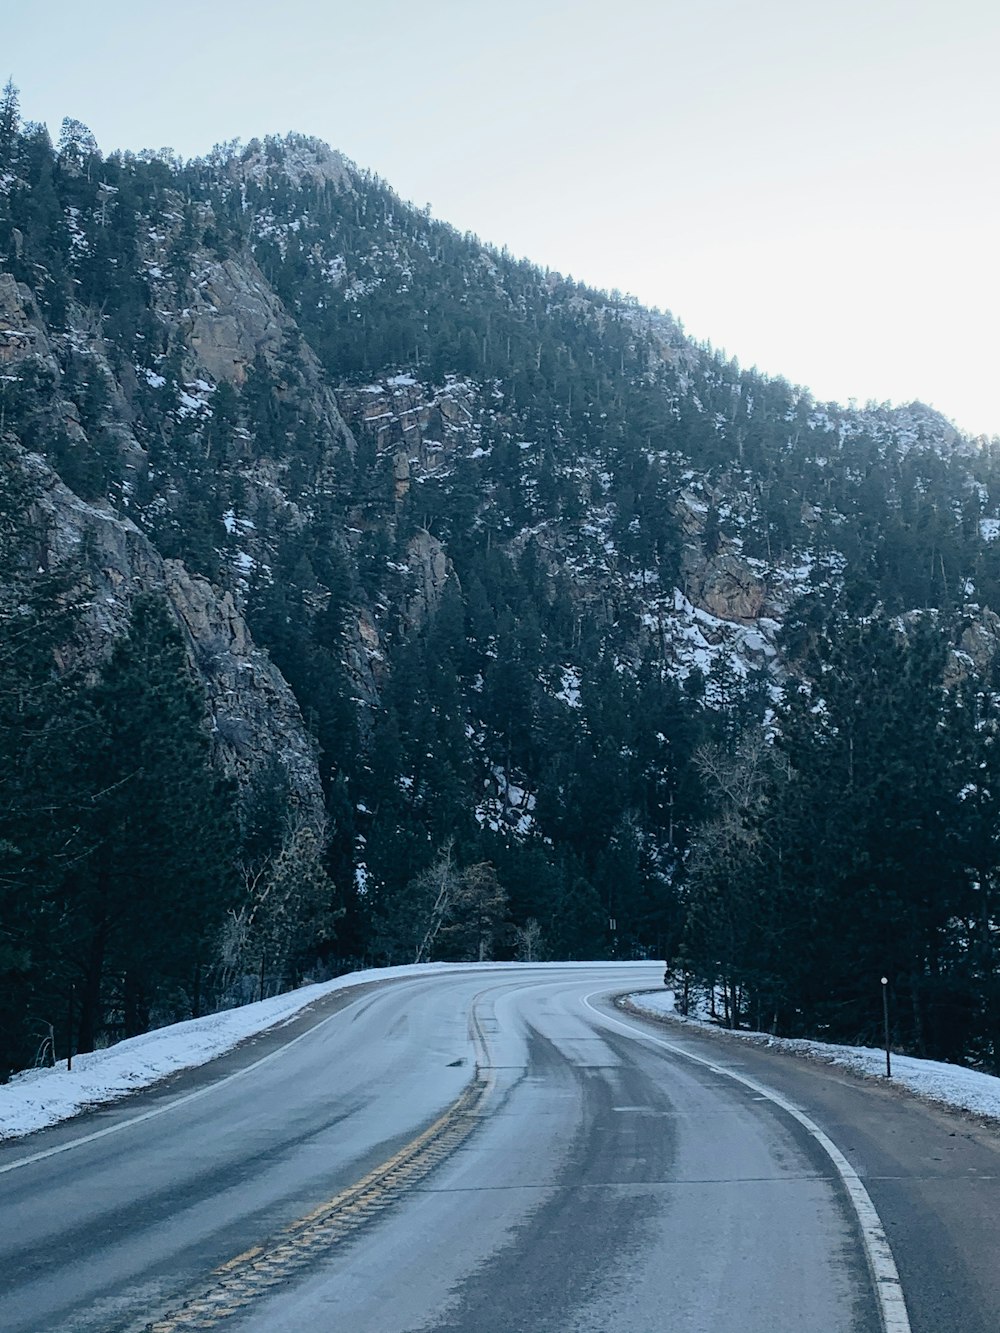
612	1175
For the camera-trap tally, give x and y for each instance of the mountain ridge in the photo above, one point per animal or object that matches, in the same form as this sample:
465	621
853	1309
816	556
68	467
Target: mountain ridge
522	572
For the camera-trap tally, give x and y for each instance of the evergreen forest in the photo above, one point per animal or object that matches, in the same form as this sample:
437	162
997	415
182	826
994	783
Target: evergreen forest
369	595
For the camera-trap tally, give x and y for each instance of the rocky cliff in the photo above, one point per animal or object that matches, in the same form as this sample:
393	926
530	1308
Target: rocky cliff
253	714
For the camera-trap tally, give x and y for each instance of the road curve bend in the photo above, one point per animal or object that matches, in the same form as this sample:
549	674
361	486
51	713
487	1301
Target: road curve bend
494	1150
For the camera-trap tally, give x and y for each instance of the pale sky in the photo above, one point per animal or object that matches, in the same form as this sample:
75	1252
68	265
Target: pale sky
810	184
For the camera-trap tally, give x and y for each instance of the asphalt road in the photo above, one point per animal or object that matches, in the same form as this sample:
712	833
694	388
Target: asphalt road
609	1182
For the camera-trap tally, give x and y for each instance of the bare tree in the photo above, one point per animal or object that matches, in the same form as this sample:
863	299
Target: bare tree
286	908
529	943
444	911
442	881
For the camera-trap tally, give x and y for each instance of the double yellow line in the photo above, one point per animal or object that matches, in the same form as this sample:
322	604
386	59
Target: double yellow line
242	1280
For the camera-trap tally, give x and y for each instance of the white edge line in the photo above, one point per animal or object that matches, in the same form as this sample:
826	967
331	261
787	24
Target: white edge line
215	1085
885	1275
179	1101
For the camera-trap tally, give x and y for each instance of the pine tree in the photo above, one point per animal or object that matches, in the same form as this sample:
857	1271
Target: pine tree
10	121
150	897
41	719
867	824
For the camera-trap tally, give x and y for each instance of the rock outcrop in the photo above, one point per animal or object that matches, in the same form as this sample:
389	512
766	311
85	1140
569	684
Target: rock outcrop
233	317
253	714
422	429
230	317
725	586
20	333
430	569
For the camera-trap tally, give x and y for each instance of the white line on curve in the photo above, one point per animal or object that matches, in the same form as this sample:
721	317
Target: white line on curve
188	1098
179	1101
885	1275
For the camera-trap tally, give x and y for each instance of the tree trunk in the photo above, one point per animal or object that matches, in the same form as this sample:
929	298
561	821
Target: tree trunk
134	1005
919	1035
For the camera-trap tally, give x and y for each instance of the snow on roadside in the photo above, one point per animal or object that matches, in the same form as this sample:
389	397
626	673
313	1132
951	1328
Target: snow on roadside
952	1085
37	1098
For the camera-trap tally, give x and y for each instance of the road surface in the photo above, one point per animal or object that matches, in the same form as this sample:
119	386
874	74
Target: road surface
602	1172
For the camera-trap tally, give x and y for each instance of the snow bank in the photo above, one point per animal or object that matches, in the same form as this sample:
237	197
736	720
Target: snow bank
41	1097
961	1089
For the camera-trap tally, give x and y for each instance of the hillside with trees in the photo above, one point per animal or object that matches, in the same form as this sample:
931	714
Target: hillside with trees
370	595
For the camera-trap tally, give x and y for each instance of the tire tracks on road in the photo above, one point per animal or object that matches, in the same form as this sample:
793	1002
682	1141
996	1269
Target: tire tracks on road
238	1283
881	1262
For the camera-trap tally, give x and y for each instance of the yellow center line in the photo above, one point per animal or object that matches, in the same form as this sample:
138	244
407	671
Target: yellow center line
241	1280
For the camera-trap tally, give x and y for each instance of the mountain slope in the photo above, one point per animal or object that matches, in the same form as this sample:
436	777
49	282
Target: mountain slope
536	567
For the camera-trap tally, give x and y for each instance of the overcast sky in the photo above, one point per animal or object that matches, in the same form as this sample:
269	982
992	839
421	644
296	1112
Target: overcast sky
810	184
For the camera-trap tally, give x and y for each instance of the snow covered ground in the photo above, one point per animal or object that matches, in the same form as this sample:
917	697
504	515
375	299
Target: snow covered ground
40	1097
963	1089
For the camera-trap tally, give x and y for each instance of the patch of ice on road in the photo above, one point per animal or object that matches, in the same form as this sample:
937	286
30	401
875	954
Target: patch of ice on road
37	1098
953	1085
